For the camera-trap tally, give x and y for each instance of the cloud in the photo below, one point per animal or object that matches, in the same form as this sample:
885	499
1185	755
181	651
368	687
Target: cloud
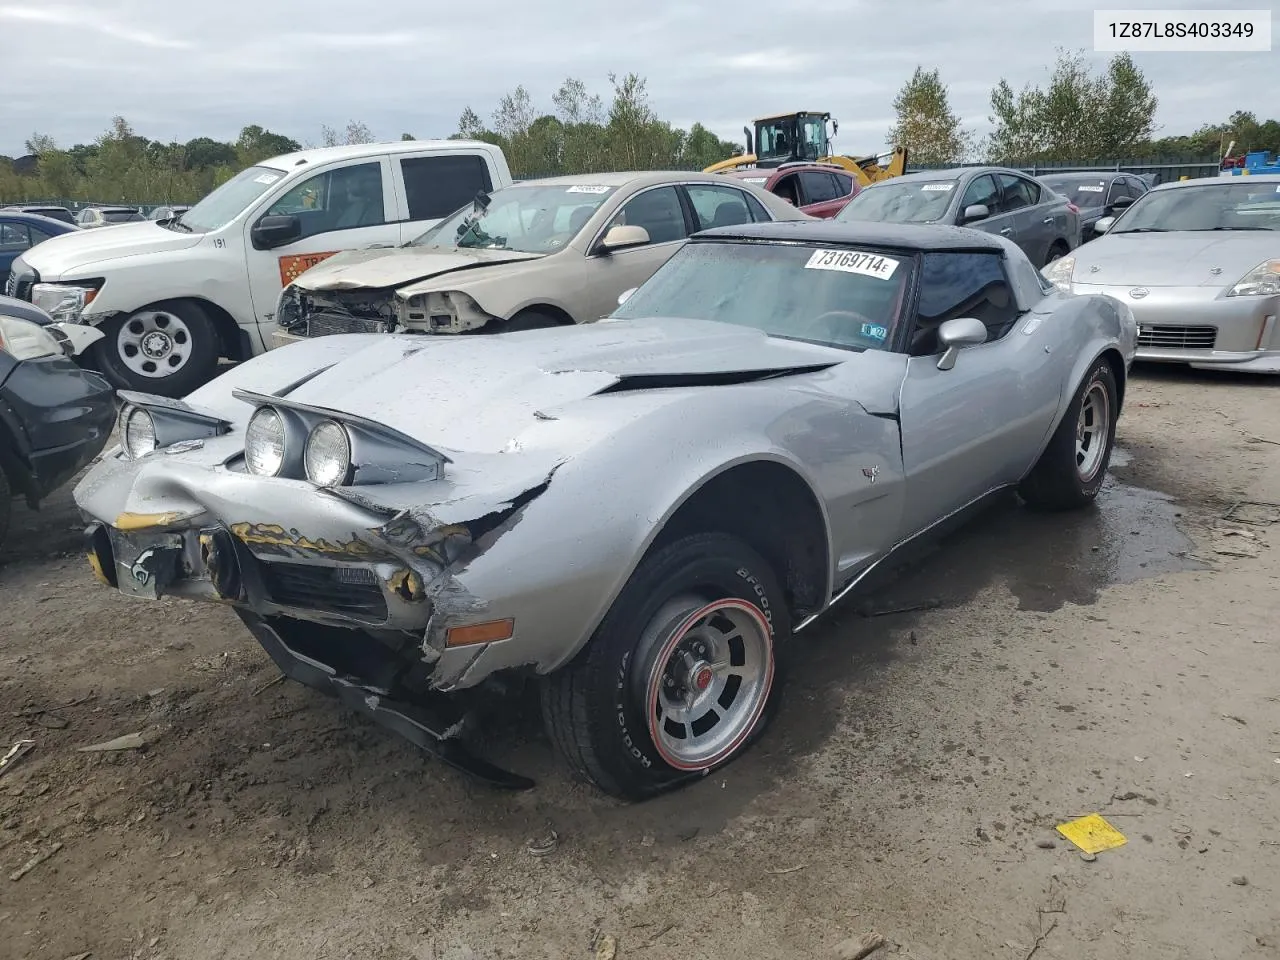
208	69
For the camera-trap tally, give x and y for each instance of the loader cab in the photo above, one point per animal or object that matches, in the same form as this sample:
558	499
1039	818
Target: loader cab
794	137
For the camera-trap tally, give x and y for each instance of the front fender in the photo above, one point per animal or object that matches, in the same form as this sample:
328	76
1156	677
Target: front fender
131	283
559	567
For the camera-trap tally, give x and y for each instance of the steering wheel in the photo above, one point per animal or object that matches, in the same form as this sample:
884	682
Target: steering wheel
827	326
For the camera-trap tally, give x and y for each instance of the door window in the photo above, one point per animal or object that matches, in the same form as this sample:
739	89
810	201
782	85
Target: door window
38	235
341	199
845	183
437	186
819	187
961	285
1019	192
719	206
14	237
788	189
982	190
658	211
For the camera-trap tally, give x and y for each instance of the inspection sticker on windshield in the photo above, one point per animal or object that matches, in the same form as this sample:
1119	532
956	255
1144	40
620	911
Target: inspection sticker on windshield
267	178
587	188
867	264
938	186
1089	188
875	331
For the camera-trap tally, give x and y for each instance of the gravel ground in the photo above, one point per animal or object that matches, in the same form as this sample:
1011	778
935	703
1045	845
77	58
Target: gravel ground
1121	661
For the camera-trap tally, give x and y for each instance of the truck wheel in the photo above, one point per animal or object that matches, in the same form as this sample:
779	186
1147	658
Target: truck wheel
679	678
1070	472
168	348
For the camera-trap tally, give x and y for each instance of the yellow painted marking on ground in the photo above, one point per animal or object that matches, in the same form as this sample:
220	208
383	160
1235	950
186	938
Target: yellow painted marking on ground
1092	834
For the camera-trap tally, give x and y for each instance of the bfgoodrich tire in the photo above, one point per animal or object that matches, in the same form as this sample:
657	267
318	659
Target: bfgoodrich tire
168	348
1071	470
680	676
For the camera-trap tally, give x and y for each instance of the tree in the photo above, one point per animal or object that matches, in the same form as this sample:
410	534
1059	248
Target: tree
926	125
1078	117
407	136
355	132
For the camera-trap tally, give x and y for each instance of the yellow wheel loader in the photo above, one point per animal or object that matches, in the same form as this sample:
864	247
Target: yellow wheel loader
802	136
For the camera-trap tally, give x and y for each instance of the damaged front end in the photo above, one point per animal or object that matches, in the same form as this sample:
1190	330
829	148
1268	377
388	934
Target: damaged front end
303	314
347	595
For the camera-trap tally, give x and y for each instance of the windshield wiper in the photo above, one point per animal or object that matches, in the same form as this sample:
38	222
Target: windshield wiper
1264	229
1143	230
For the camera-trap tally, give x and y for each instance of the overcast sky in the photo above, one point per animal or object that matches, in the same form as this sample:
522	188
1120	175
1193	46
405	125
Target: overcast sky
177	69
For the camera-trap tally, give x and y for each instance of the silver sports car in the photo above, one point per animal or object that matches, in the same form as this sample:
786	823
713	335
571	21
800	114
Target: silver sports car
1199	264
639	511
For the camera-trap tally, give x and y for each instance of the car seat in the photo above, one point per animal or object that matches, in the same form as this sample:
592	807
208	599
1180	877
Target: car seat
730	213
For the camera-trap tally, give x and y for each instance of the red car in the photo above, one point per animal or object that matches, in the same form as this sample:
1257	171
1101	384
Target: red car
819	189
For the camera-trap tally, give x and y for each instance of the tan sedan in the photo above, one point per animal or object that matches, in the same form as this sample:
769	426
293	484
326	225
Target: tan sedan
536	254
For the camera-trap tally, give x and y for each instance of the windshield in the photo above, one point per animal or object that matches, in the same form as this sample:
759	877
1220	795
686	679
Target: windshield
913	201
1240	205
842	298
533	218
1085	193
229	200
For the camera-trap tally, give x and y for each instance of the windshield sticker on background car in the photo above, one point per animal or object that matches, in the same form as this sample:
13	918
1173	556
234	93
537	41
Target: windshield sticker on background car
267	178
1090	188
755	179
866	264
875	331
587	188
938	186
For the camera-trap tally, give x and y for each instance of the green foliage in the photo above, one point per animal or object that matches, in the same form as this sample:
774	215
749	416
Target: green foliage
1079	116
581	135
926	125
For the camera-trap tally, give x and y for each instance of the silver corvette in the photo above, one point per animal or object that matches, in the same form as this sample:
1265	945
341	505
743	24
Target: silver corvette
1198	261
640	511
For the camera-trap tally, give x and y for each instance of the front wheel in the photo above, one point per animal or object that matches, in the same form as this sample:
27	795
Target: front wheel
1070	472
679	678
527	320
169	348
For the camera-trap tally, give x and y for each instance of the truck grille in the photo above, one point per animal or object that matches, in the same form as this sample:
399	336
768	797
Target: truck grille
19	286
353	591
325	324
1177	338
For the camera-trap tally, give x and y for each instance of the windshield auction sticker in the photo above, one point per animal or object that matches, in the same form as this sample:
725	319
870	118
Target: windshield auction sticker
937	186
849	261
587	188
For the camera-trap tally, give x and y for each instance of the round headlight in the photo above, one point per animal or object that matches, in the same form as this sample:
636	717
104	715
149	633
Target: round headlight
264	443
328	456
138	432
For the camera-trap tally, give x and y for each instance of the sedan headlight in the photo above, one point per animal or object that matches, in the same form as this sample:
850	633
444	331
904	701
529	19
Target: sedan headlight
24	340
328	456
1059	273
265	443
137	431
64	301
1262	281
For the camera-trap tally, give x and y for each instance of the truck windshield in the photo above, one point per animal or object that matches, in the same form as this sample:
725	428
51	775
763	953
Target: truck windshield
228	201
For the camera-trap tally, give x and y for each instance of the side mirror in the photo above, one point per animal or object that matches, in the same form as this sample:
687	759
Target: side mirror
1104	224
955	335
275	230
622	237
975	211
74	337
625	295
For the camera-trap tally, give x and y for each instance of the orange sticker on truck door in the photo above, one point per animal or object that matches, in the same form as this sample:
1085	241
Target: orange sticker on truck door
293	267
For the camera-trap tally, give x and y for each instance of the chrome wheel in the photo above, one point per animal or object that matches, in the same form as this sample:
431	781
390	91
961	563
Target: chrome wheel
154	343
710	680
1092	430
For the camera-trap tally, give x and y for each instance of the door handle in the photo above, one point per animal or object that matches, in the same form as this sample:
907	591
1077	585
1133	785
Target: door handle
1006	231
1047	220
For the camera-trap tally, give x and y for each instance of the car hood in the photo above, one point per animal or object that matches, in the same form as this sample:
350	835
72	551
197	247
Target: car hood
473	394
72	253
1183	259
381	268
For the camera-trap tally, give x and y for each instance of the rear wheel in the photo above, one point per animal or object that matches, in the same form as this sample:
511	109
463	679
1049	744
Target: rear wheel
1070	472
679	678
169	348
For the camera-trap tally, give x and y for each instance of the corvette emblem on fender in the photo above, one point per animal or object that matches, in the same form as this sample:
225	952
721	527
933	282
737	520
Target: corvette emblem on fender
1138	292
871	473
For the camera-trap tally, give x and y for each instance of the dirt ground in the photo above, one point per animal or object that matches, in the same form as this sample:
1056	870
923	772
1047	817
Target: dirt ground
1122	661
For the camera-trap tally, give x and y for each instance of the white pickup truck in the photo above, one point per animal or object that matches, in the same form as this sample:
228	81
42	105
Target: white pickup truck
172	296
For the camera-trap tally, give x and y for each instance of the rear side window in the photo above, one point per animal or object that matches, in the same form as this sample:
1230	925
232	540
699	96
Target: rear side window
844	182
14	237
819	187
717	206
1018	192
437	186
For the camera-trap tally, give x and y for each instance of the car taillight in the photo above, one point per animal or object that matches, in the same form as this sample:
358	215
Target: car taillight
1072	207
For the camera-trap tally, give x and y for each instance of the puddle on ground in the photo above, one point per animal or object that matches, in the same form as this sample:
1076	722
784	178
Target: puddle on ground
1047	559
